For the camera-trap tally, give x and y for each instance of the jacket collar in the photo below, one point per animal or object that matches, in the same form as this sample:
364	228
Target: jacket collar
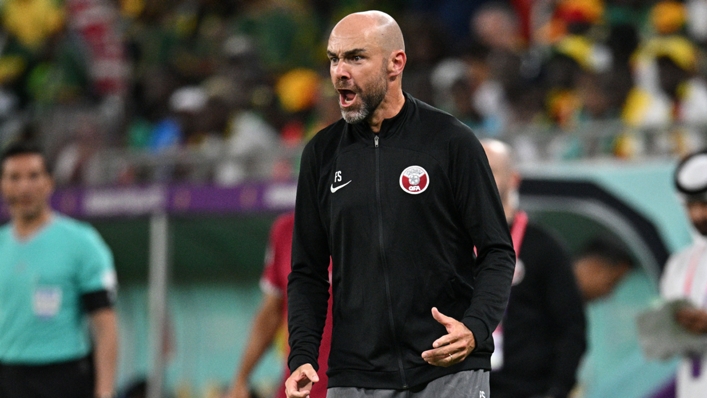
389	127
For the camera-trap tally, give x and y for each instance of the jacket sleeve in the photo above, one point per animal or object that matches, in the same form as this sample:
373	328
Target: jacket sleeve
308	282
477	198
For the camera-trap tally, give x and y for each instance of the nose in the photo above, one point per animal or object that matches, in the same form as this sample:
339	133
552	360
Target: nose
340	71
23	186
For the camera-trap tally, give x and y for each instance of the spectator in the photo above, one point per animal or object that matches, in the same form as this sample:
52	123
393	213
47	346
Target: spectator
32	22
544	299
423	53
680	96
685	274
77	162
599	267
487	93
248	143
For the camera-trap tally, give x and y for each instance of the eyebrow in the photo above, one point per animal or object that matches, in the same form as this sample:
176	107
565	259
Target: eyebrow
350	53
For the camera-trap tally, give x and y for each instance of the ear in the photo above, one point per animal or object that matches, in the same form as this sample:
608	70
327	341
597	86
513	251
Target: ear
397	63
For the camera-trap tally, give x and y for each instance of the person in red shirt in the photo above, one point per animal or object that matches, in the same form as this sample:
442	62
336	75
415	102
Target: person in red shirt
272	314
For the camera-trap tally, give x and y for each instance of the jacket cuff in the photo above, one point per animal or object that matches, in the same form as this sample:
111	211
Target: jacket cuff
478	328
298	360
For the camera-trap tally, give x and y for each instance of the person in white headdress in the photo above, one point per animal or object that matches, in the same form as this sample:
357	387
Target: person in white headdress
685	275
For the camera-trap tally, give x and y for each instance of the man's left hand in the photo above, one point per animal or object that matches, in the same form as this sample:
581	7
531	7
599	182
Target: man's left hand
454	346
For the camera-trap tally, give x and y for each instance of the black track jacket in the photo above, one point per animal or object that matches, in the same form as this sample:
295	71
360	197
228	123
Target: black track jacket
400	213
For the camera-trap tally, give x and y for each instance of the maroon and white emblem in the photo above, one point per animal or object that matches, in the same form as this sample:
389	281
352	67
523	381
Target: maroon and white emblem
414	180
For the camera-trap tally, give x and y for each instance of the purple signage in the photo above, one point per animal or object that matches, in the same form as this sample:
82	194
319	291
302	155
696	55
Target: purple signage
173	199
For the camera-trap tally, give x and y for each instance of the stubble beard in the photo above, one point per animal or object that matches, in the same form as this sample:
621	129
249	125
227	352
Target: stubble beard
369	102
30	214
701	227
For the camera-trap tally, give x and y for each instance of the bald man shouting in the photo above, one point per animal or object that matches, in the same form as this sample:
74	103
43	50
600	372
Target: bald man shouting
401	197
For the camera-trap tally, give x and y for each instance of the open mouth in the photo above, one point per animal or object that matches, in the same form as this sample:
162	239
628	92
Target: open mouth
346	97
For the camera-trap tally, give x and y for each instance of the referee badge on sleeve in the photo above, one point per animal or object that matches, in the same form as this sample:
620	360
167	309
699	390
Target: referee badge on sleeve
110	283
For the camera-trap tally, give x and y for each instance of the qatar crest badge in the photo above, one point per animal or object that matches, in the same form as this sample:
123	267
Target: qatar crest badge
414	180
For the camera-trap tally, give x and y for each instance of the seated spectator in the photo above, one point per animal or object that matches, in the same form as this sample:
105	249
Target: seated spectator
454	91
248	142
77	162
497	26
679	96
32	22
600	266
423	53
487	93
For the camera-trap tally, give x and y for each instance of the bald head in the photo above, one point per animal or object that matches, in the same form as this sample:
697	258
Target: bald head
500	156
376	26
366	62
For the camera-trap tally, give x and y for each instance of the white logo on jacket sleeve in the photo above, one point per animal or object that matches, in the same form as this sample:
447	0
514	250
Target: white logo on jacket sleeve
337	178
414	180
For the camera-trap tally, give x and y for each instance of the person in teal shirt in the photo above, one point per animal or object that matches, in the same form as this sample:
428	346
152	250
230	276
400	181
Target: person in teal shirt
58	328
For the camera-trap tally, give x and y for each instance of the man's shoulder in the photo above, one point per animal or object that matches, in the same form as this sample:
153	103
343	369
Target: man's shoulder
72	228
328	134
325	141
680	258
676	269
433	128
430	115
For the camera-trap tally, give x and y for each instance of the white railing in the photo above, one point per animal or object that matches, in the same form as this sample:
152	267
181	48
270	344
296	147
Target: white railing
534	144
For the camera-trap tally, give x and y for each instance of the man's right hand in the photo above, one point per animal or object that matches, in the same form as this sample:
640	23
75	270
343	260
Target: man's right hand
300	382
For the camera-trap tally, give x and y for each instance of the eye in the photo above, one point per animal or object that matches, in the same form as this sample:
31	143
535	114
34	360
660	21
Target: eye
357	58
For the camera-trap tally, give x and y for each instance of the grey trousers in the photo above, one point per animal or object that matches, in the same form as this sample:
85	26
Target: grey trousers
466	384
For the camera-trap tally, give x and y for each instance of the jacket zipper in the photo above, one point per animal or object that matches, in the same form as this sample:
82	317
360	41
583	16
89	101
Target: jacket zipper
385	265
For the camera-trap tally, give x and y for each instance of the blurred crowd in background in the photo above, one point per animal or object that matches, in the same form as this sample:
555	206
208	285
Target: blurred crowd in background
210	91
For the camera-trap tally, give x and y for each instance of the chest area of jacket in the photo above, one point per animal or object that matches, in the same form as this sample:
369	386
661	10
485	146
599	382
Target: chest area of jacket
23	268
368	181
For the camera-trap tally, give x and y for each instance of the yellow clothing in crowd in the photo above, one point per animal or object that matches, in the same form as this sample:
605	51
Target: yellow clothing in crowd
32	21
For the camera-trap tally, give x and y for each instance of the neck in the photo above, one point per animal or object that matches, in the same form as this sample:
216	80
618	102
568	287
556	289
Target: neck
26	226
391	106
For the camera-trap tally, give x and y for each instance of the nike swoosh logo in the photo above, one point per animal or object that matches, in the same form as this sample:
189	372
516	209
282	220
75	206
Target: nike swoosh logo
339	187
